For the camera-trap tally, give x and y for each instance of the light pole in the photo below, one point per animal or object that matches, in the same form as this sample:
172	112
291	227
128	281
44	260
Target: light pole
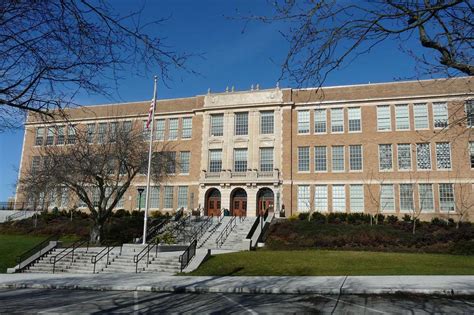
140	192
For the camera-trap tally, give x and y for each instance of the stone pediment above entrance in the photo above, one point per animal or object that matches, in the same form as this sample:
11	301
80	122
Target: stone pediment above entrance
270	96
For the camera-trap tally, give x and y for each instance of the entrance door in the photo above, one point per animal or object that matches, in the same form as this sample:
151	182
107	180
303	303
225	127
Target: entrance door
213	205
239	203
265	201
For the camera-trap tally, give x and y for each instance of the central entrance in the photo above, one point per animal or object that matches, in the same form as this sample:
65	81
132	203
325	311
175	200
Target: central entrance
265	200
213	203
238	203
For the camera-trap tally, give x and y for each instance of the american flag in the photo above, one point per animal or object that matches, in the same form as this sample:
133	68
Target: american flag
150	112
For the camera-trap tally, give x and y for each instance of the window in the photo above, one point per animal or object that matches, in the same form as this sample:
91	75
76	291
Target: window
443	155
266	159
160	129
321	198
241	122
50	136
187	128
385	157
355	157
402	117
39	136
35	164
337	120
101	131
168	200
404	156
90	133
170	162
113	131
60	137
338	158
173	129
440	115
141	201
127	126
303	121
320	121
240	160
266	122
303	159
420	111
303	198
423	156
183	197
406	197
471	153
320	161
338	198
425	192
184	161
387	202
357	198
217	125
64	198
71	134
354	119
384	120
446	197
469	108
215	160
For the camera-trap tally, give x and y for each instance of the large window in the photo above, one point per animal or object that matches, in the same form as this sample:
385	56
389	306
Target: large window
321	198
154	197
241	122
173	129
420	111
127	126
240	160
446	197
385	157
337	158
320	121
160	129
337	120
266	159
60	136
183	197
338	198
303	121
145	131
187	131
215	160
101	132
170	162
266	122
217	125
303	159
406	197
355	157
404	156
387	201
35	164
320	160
402	117
384	121
357	198
184	162
303	198
354	119
440	115
71	134
168	199
423	156
50	136
39	136
443	155
469	107
471	153
113	131
425	192
90	133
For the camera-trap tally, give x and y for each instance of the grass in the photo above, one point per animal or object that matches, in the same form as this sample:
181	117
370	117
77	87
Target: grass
333	263
13	245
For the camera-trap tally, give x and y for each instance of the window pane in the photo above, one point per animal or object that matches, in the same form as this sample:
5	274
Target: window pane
71	134
183	197
355	157
404	156
338	158
320	121
184	162
168	200
470	113
423	156
173	129
101	132
357	198
321	198
241	121
402	117
406	197
354	119
303	121
60	136
385	156
320	159
446	197
266	159
443	155
217	125
337	120
90	133
471	152
426	197
215	160
421	116
266	122
154	197
50	136
39	136
160	129
187	127
303	159
387	202
383	118
338	198
303	198
440	115
240	160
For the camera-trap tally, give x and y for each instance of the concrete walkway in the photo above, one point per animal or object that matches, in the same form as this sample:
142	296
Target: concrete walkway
443	285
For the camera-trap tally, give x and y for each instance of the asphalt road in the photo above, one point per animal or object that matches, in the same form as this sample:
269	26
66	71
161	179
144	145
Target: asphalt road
42	301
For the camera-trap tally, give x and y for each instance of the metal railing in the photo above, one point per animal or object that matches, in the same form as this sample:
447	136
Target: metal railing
145	252
68	250
188	254
226	231
104	253
154	229
199	232
37	249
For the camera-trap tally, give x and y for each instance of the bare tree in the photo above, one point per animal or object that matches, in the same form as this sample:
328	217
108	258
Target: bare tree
325	35
375	194
52	50
96	173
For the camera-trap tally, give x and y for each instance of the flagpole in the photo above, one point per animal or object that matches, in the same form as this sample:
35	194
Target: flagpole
150	149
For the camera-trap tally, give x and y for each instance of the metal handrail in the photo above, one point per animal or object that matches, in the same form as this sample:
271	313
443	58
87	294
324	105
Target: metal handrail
188	254
37	248
202	228
154	230
226	231
97	257
144	252
53	260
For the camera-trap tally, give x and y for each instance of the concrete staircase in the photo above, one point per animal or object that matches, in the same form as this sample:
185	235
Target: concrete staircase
235	240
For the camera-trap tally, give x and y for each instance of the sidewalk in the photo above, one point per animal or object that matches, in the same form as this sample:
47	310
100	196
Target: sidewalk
443	285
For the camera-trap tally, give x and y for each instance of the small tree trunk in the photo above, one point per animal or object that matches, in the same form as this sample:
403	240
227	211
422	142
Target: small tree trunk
414	226
96	235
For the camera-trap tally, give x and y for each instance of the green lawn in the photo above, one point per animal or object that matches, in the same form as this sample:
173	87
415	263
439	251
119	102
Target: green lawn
333	263
12	245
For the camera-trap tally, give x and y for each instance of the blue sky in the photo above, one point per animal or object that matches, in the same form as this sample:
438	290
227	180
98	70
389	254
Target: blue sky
229	57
